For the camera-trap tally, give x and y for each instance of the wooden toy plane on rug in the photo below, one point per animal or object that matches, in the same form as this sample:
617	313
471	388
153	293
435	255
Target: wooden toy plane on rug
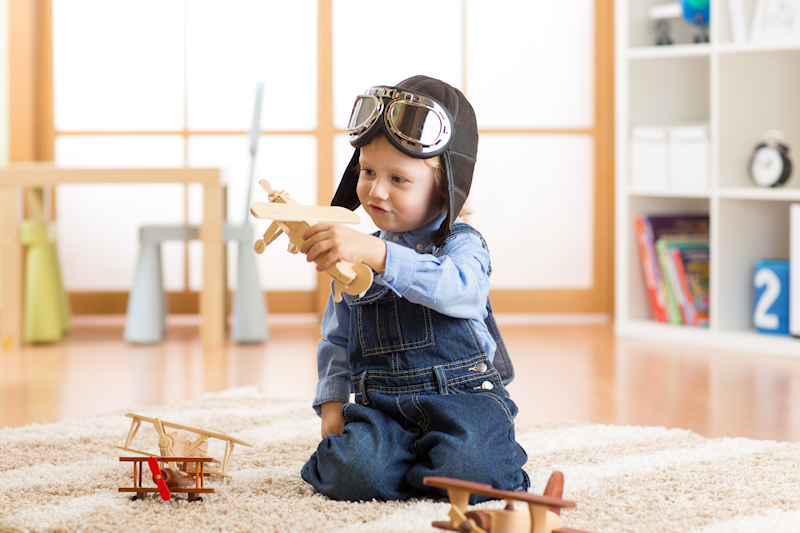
294	219
169	480
542	515
172	445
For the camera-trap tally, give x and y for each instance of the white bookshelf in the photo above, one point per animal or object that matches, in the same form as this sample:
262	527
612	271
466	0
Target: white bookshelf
741	90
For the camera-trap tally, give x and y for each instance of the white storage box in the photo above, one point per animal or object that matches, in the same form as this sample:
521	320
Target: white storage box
688	166
648	158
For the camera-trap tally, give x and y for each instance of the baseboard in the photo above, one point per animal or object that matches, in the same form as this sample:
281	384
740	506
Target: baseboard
183	302
281	302
547	301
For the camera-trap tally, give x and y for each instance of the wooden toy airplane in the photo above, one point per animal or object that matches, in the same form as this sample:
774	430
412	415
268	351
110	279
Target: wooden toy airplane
543	515
172	445
294	219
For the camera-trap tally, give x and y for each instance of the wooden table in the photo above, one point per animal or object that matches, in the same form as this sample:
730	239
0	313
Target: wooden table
18	175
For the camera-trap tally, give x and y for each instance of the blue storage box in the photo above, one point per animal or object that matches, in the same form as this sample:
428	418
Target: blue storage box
771	309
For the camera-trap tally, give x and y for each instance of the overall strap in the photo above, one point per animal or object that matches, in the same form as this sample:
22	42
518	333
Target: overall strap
502	359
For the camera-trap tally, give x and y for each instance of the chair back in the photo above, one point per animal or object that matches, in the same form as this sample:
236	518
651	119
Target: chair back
255	133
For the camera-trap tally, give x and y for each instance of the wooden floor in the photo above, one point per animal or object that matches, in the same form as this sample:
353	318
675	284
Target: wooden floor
564	372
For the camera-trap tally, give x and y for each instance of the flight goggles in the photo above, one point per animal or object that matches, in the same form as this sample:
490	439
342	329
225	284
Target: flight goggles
417	125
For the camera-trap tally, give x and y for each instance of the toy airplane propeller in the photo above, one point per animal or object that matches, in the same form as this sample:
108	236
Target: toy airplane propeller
294	219
542	515
158	477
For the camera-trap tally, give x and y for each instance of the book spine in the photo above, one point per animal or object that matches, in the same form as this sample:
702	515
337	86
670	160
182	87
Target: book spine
652	278
689	311
673	308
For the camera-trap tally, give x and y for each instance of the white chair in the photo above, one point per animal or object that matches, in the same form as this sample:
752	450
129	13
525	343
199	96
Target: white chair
146	323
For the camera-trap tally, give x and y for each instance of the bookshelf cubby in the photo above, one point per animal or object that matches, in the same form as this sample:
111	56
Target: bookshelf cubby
740	90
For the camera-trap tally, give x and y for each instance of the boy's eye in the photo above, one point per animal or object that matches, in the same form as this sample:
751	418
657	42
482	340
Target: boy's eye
398	179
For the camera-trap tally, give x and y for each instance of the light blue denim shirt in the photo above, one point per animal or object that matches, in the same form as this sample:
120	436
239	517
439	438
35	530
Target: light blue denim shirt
452	280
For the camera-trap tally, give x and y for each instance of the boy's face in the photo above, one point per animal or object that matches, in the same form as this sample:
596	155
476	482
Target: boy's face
397	191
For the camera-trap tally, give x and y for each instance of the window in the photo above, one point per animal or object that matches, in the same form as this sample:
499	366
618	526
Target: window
171	82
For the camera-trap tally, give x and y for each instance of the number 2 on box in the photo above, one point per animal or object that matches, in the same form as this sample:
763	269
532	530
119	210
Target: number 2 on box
761	318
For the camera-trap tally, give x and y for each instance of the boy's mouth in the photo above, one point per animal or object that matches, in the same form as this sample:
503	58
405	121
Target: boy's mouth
377	209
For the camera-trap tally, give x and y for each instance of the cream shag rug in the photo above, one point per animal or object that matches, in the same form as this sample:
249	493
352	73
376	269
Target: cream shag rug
65	476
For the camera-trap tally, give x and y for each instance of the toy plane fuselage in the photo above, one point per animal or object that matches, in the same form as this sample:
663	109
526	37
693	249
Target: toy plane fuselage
294	220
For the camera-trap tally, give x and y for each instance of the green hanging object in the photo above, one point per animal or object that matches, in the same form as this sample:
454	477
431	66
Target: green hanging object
45	307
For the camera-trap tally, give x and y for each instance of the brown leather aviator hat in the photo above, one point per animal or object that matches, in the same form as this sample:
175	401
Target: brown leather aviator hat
422	117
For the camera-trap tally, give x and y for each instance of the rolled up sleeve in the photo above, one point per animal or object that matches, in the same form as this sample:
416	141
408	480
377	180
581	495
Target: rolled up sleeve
453	281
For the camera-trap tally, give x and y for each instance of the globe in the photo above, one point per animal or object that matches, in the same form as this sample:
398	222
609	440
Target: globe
695	11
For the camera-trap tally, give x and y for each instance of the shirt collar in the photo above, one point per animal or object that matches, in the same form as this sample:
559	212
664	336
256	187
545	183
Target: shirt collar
419	239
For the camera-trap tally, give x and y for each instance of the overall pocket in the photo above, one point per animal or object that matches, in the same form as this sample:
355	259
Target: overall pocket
386	323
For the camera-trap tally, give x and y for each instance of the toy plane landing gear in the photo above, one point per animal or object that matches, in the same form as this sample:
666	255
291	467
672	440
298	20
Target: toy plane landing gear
294	219
168	480
542	516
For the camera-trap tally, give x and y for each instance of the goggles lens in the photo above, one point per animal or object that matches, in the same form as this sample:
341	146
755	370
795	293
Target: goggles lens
365	110
415	123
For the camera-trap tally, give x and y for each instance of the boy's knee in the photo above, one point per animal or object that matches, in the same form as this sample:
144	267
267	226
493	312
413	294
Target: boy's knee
342	473
502	469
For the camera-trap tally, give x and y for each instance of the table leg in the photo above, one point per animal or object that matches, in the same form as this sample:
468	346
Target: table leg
212	295
11	270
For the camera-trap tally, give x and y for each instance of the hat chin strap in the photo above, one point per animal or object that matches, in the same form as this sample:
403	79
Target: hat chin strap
346	195
440	234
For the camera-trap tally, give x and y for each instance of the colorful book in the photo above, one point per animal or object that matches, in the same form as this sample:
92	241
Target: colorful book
695	262
690	298
652	273
650	229
688	310
671	283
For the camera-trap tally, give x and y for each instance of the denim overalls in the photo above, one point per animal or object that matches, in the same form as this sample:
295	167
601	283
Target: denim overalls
428	403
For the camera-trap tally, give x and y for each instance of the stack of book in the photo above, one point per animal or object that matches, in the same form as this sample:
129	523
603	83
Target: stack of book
675	256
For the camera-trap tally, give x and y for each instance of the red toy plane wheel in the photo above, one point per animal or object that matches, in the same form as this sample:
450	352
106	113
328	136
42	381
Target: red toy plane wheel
159	479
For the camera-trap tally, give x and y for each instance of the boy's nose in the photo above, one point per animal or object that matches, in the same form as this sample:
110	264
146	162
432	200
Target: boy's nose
378	190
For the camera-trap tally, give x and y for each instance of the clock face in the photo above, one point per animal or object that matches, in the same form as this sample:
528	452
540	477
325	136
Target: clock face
766	166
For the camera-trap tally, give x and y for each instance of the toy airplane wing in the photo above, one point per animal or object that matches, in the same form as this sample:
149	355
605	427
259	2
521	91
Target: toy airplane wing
299	213
190	429
488	490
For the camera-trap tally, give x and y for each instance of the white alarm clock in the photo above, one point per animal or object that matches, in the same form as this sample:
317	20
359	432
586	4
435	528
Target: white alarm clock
770	165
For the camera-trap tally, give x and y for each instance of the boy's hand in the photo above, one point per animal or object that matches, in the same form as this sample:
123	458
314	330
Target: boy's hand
332	421
341	243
